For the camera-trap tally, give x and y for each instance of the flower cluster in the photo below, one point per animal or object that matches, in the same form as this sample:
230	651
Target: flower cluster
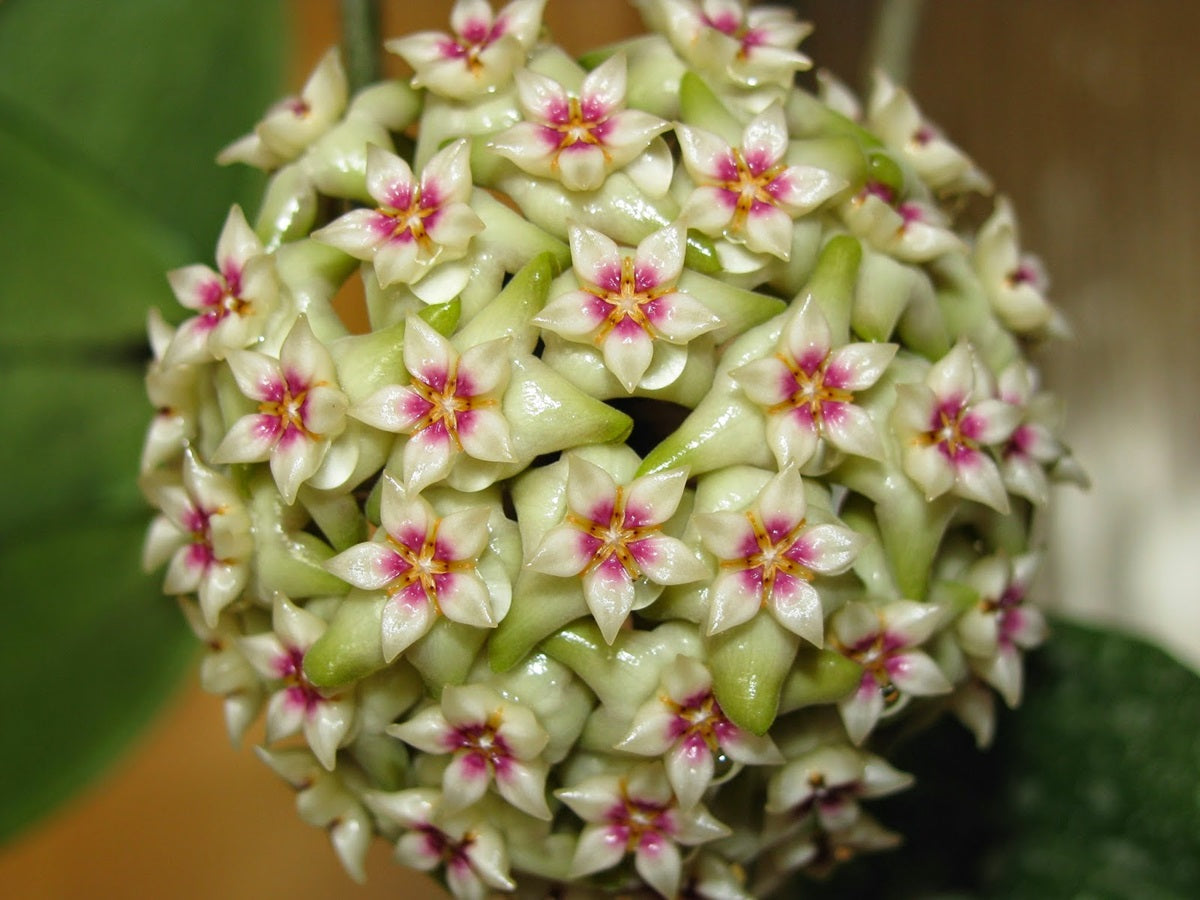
663	483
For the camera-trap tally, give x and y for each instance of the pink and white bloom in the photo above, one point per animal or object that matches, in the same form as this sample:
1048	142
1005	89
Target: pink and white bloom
172	393
224	669
428	566
493	741
825	784
807	390
578	140
294	123
450	408
883	640
418	225
205	531
749	46
1016	282
1033	445
636	813
684	724
612	538
296	705
768	557
895	117
908	229
300	409
480	55
471	852
232	303
749	194
1003	623
627	305
945	426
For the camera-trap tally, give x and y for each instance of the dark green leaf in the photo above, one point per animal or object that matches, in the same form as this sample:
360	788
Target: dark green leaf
1092	789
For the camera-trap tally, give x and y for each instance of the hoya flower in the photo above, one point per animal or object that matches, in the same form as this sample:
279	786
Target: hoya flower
946	424
1032	446
636	813
577	140
232	303
172	393
749	194
612	538
205	532
627	305
749	46
300	409
1002	624
883	640
807	390
493	741
471	852
893	115
418	225
825	784
482	53
327	801
450	408
296	704
428	566
225	670
1016	283
908	229
294	123
685	725
769	556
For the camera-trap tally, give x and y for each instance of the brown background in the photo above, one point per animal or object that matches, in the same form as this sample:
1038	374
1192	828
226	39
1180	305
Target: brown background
1085	113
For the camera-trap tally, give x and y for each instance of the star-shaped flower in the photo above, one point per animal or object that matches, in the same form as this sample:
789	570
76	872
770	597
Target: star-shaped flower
612	538
825	784
471	852
577	140
428	565
296	705
945	425
205	531
685	724
481	54
450	408
294	123
300	409
493	741
1016	282
895	117
232	303
627	306
907	228
417	226
636	813
1002	624
883	640
769	556
749	46
807	390
1033	445
749	194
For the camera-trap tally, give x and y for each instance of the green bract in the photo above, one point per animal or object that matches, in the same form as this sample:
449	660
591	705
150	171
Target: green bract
685	444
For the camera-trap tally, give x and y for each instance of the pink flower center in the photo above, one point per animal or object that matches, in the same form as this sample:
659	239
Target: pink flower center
874	653
409	219
445	402
700	718
954	431
483	744
287	402
751	181
427	565
808	391
633	304
614	531
774	552
640	821
579	124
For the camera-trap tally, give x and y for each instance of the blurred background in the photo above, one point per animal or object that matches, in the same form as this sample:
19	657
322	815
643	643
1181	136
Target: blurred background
1084	114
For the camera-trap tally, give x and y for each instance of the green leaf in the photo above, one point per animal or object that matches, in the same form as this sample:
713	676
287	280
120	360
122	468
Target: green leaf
90	648
110	116
1091	790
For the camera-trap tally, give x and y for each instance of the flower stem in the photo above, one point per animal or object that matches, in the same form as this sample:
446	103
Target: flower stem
893	37
360	41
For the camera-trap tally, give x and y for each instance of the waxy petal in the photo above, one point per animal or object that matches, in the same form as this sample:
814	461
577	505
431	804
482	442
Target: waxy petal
690	768
524	786
733	600
370	566
915	673
796	605
599	847
403	623
464	598
627	354
666	560
563	551
609	593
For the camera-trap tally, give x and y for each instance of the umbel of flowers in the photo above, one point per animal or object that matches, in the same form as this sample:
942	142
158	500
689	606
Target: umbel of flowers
687	444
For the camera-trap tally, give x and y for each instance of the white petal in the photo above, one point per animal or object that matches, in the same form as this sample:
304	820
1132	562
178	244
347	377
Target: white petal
657	860
861	710
769	231
448	174
953	376
661	254
599	848
251	439
678	318
628	351
978	479
652	499
856	367
464	782
851	430
666	560
590	490
651	732
399	262
574	315
603	89
293	461
726	535
828	549
609	593
709	210
930	469
690	768
801	189
484	434
706	156
193	285
765	138
427	457
524	786
564	551
766	381
390	180
464	598
733	600
238	242
797	607
358	233
541	97
369	566
781	503
428	730
915	673
582	167
403	623
327	728
391	408
257	375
